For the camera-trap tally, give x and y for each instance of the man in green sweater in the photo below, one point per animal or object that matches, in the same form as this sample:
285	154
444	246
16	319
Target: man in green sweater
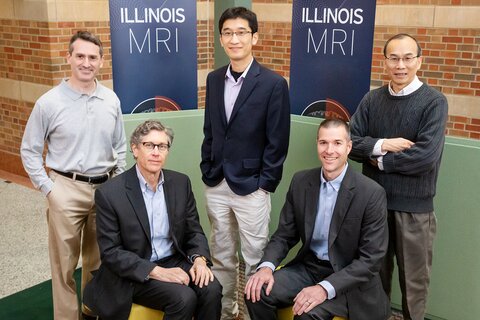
398	133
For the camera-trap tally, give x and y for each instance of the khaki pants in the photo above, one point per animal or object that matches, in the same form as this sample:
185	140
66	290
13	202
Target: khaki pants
71	231
233	218
411	241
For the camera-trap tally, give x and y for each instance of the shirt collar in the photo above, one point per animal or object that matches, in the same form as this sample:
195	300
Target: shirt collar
228	74
143	183
411	88
335	183
75	95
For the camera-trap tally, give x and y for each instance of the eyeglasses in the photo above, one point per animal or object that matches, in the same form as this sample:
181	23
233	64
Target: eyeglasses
239	34
150	146
393	61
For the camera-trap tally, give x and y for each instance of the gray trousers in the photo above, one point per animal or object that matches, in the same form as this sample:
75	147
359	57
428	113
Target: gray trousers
289	281
411	242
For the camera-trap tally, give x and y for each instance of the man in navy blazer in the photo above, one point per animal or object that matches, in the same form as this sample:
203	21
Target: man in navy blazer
246	135
339	216
152	246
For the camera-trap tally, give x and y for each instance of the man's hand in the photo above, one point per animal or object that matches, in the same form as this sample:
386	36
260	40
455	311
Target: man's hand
396	145
256	282
175	275
309	298
200	272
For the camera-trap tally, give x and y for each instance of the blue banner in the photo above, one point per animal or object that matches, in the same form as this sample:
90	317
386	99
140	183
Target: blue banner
154	54
331	56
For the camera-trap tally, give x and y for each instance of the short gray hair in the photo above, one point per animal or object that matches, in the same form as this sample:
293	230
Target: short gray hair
86	36
144	129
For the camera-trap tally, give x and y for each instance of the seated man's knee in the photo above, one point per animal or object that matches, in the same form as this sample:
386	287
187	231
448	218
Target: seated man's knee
264	299
185	302
317	314
213	291
303	316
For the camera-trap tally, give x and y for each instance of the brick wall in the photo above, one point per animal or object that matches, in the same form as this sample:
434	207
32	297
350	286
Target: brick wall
34	51
32	57
13	118
205	53
451	64
273	47
451	56
463	127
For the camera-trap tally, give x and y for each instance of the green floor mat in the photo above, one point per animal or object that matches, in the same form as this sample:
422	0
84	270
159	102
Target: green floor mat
34	303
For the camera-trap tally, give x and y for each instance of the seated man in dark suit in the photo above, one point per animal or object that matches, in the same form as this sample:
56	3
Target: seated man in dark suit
340	217
152	246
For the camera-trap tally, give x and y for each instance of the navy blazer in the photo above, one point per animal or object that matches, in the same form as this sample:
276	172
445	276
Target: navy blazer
250	149
357	239
123	235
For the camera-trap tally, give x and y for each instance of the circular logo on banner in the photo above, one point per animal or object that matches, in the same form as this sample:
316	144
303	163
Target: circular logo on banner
326	109
156	104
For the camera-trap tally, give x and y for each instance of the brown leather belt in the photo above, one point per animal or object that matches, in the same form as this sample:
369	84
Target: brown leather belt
79	177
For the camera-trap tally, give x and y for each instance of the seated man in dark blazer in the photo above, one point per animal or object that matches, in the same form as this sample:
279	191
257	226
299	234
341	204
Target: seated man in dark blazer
152	246
340	217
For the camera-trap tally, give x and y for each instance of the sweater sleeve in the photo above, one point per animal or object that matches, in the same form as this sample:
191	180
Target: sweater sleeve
428	147
363	144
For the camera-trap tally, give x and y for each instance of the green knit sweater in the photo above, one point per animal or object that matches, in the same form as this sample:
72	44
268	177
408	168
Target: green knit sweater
410	176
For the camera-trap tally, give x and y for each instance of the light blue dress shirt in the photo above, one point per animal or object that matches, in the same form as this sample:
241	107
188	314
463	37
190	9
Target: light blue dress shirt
326	203
327	198
162	244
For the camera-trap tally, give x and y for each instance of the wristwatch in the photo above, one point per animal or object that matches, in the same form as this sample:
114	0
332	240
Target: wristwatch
203	258
195	256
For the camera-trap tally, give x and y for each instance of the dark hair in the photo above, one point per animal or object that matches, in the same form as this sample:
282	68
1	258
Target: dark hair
402	36
334	123
144	129
242	13
87	36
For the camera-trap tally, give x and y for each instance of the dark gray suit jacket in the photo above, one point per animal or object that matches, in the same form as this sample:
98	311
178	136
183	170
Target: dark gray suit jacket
123	235
249	150
357	242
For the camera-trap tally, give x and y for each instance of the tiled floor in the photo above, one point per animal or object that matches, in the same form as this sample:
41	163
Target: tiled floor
23	249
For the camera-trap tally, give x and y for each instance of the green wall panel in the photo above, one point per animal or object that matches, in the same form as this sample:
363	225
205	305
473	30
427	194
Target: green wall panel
455	285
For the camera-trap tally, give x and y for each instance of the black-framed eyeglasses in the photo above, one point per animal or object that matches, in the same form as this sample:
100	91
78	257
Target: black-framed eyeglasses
150	146
393	60
239	34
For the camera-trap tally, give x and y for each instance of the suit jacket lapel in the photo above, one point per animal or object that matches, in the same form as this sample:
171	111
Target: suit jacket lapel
134	195
249	83
342	204
220	92
169	191
311	205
